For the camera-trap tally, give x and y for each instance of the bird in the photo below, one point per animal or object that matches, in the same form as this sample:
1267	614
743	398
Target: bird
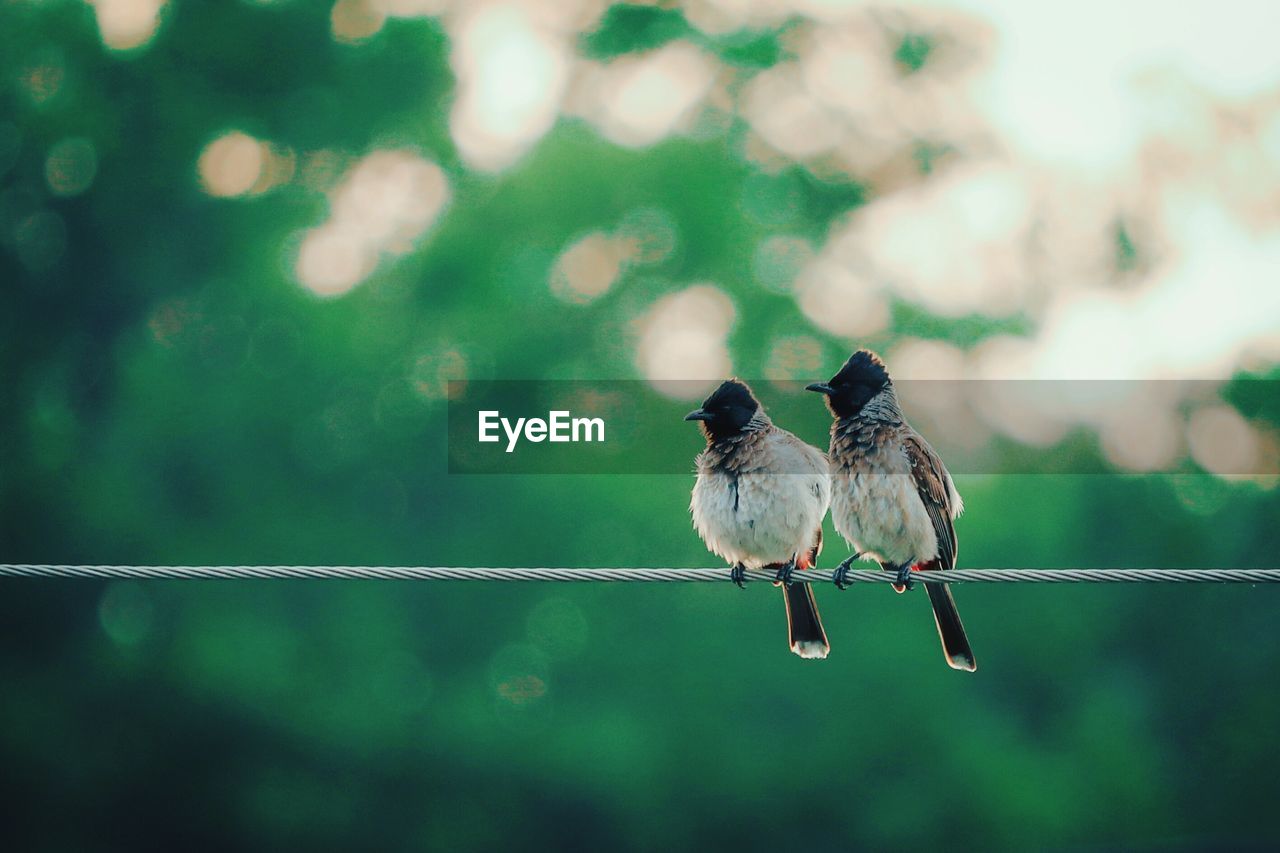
892	499
759	500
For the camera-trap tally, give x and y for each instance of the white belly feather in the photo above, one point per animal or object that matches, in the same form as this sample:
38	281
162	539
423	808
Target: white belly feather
878	510
762	518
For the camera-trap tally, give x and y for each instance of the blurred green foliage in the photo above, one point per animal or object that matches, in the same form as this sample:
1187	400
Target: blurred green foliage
169	394
628	29
913	51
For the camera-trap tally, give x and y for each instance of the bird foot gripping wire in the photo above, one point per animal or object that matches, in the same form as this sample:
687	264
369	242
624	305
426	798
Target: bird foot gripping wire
840	577
785	571
904	579
738	575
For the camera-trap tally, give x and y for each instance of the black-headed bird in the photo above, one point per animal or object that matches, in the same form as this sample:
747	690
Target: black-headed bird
892	498
759	501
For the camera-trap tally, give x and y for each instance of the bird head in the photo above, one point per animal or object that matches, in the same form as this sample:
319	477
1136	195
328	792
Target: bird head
727	411
862	377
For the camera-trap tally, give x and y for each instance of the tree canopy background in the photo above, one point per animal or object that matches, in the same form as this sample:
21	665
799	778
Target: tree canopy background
246	245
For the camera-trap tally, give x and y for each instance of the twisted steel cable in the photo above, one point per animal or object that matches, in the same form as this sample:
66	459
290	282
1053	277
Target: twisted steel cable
647	575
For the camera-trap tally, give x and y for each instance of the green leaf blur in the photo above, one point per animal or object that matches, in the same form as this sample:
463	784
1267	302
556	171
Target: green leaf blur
172	391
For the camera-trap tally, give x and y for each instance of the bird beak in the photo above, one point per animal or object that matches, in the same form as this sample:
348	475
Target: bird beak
698	415
821	388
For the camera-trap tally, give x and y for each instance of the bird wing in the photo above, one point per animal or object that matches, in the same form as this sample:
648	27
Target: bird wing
931	479
815	550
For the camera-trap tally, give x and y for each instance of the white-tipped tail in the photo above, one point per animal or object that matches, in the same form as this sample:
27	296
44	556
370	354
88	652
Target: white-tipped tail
804	626
955	643
811	649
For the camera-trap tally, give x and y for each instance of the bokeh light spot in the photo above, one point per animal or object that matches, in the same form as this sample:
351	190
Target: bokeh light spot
795	357
42	80
841	302
779	259
588	267
127	24
231	164
71	166
437	375
331	261
649	235
953	245
1141	439
783	112
355	20
411	8
511	67
518	674
381	206
639	100
684	336
170	319
1222	441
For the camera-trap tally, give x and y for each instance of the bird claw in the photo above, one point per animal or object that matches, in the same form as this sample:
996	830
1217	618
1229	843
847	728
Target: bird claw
904	579
840	577
738	575
784	573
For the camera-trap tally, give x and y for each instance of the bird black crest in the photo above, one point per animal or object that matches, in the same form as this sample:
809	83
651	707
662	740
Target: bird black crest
732	393
728	411
861	378
863	368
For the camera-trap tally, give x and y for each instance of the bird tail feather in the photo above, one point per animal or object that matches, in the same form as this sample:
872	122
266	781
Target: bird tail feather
804	626
955	643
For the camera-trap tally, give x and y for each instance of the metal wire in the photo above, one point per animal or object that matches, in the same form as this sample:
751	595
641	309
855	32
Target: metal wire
650	575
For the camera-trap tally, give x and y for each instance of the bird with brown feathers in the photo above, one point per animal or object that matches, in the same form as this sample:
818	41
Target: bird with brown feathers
759	500
892	499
